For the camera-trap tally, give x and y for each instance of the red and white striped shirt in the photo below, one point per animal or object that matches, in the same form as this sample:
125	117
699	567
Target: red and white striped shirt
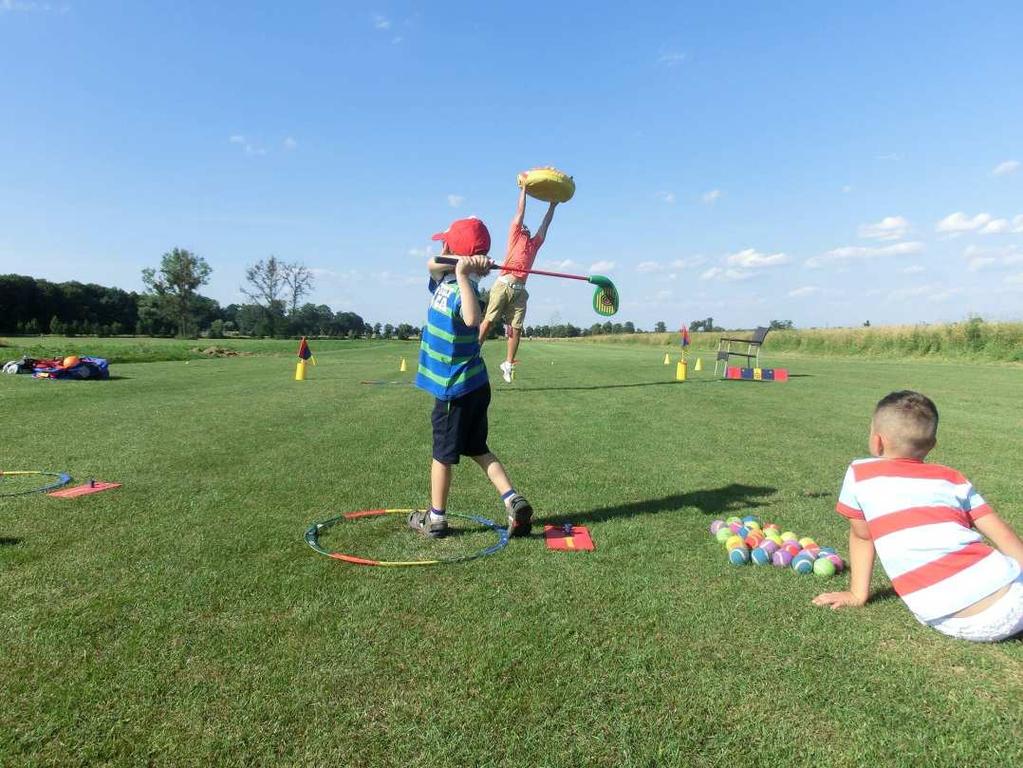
921	519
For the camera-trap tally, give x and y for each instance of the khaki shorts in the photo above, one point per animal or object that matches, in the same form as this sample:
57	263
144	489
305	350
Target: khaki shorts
507	302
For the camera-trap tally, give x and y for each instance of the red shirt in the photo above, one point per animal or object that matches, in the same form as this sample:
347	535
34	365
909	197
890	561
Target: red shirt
521	254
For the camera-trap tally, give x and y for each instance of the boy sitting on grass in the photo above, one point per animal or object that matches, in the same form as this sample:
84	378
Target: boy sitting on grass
925	522
451	369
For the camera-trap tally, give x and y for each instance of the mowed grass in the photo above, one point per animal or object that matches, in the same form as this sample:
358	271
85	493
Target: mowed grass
182	620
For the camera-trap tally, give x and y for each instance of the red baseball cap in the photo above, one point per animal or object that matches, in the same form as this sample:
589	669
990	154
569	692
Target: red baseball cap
466	237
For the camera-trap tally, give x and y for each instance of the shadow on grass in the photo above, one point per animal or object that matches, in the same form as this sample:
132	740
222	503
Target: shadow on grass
8	542
734	497
884	595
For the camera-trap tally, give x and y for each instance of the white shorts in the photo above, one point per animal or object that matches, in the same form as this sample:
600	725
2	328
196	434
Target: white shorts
1000	621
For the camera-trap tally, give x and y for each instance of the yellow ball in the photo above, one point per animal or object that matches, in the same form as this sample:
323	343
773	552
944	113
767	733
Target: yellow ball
789	536
734	541
806	541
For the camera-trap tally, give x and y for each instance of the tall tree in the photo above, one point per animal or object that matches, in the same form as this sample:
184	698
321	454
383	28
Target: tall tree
266	288
298	282
175	287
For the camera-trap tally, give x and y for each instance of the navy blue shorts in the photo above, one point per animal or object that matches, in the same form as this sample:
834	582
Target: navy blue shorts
460	426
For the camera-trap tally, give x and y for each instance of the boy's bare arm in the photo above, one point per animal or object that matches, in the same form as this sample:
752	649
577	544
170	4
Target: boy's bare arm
1000	533
481	265
861	569
437	271
541	233
520	215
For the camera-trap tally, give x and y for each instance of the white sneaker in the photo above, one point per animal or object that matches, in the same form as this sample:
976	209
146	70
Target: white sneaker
506	371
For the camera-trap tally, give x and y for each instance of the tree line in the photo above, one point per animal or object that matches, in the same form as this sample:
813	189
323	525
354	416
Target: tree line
172	305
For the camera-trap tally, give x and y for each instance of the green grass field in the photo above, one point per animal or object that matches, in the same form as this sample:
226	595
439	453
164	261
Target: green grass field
182	620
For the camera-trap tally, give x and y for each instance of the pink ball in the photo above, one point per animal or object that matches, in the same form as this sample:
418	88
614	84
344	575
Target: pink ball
782	558
735	527
839	562
769	546
716	526
792	548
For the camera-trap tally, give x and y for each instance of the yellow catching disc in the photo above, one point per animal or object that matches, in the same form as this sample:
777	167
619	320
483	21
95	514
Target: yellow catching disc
547	184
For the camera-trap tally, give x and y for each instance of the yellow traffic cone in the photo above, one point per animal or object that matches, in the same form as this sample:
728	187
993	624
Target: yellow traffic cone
667	359
699	365
680	371
300	371
403	367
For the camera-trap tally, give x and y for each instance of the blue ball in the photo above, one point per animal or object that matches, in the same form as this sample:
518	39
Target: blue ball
738	556
827	551
743	531
802	565
760	556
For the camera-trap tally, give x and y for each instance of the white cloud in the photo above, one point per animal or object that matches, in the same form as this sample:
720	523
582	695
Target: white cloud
564	265
754	259
712	196
289	143
981	258
671	58
666	197
648	266
420	253
889	156
958	222
455	200
27	6
381	22
246	145
602	266
694	261
730	274
847	188
978	263
889	228
857	252
1016	279
1004	169
913	269
806	290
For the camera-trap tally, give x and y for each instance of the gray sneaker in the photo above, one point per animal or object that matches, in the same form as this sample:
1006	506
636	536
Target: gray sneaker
520	516
420	521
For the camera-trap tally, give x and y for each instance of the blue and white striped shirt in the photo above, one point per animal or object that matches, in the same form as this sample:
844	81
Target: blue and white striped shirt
449	356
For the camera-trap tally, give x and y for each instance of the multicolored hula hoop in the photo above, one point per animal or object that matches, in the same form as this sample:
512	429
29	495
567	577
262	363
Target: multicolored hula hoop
62	479
312	538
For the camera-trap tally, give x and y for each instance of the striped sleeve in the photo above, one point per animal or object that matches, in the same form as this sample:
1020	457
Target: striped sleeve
974	504
847	505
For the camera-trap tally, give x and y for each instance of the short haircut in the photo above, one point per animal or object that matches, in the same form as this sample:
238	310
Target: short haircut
909	421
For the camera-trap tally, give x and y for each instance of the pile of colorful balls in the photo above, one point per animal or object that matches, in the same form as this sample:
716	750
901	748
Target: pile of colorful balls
747	540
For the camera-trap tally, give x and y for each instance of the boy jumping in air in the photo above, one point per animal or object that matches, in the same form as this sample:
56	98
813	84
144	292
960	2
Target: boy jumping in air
508	295
926	524
451	369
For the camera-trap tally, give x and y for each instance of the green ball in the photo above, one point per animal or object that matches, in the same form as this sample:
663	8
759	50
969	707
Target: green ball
724	534
823	567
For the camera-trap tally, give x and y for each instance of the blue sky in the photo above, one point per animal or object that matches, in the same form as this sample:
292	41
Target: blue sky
827	163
